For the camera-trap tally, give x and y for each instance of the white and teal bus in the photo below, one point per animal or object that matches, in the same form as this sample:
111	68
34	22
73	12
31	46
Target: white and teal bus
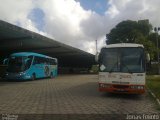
122	68
29	65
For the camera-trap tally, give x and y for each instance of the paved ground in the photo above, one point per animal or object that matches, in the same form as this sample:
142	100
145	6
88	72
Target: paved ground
69	94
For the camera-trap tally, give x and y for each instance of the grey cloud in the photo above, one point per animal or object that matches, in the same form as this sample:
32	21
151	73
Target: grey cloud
66	21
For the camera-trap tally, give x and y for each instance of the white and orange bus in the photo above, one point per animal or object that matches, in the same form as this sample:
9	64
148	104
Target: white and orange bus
122	68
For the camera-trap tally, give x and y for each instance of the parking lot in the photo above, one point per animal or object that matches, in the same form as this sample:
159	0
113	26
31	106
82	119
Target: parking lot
69	94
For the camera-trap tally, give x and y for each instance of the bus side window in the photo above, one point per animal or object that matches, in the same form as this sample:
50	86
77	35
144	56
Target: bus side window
29	61
35	60
48	61
51	61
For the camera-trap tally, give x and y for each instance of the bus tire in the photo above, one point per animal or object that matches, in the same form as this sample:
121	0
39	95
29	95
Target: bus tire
33	76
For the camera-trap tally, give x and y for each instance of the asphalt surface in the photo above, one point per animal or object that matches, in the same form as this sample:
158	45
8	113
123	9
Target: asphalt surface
70	94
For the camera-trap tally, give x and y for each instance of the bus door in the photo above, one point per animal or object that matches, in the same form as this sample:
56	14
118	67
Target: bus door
38	67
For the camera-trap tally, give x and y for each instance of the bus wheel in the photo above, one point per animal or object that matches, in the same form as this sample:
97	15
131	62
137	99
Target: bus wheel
51	75
33	76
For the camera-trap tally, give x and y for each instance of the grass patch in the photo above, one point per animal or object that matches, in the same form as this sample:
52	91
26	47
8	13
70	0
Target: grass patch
153	83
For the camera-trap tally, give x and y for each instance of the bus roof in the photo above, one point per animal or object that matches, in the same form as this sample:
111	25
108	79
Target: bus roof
123	45
30	54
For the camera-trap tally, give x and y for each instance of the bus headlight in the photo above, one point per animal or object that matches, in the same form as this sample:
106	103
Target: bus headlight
21	73
102	85
139	87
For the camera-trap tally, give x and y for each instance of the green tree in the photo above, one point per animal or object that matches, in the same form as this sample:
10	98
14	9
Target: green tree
144	27
149	46
153	38
126	31
133	32
122	33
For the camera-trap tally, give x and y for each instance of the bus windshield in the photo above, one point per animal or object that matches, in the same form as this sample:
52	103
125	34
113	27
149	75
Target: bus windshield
19	63
127	60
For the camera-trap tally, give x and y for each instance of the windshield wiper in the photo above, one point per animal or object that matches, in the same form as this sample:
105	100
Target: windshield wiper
113	67
127	68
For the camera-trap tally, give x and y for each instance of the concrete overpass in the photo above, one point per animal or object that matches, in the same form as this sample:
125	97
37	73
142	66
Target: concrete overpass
16	39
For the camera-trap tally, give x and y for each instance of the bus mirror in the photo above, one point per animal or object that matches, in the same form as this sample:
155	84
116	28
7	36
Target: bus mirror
147	57
97	57
5	61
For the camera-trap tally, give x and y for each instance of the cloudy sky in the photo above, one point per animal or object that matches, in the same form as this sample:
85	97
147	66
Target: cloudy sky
77	22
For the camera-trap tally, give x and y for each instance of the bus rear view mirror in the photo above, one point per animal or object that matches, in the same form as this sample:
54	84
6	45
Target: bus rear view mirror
5	61
147	57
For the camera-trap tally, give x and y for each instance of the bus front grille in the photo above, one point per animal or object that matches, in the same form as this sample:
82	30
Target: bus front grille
120	86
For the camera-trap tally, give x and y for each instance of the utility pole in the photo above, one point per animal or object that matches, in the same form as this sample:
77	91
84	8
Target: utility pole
156	29
96	47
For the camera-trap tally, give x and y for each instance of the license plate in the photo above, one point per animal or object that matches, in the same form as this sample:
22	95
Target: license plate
120	90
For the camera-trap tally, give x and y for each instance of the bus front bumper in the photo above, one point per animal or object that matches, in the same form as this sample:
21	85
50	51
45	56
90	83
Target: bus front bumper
116	88
17	76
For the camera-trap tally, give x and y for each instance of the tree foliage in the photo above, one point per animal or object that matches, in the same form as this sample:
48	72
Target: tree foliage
149	46
126	31
134	32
